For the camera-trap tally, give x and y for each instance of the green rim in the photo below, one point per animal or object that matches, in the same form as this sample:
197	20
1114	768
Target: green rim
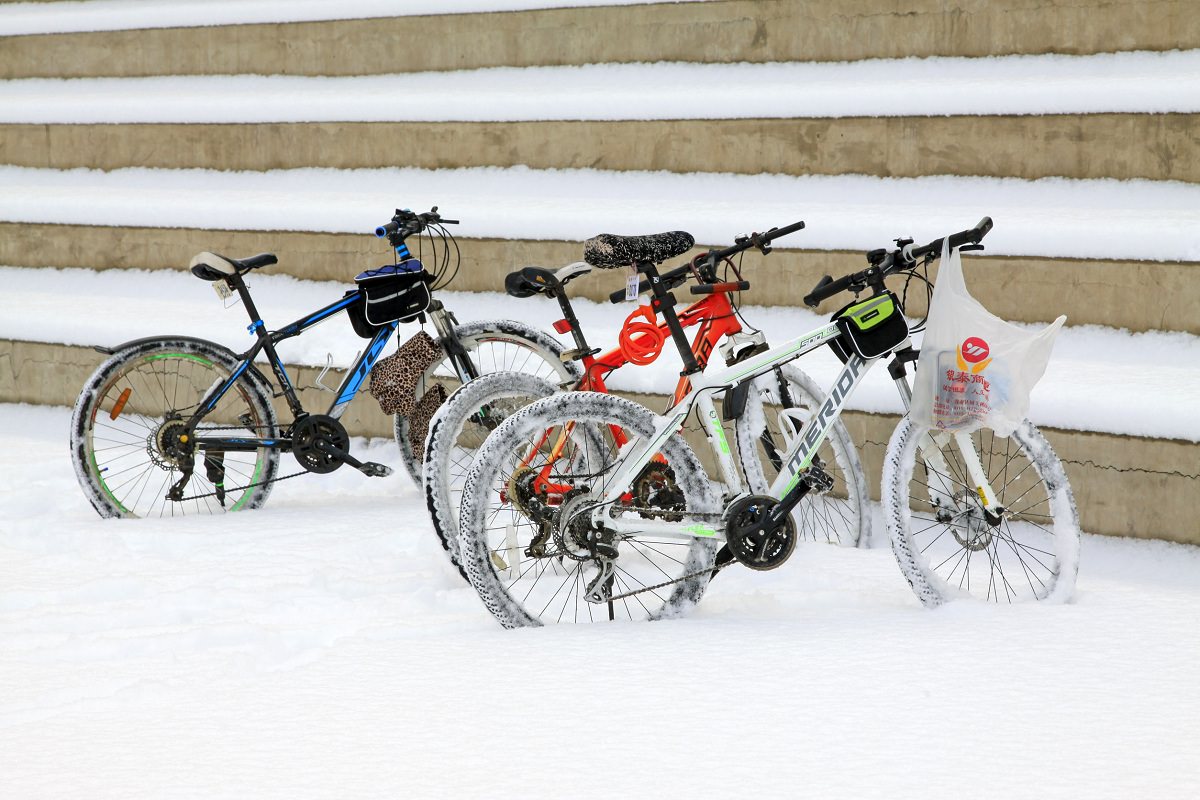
253	479
103	485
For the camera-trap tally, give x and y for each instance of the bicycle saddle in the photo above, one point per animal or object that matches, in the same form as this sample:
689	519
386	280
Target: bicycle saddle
213	266
529	281
608	251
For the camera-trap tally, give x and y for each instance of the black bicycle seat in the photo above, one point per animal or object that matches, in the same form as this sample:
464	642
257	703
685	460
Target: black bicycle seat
214	266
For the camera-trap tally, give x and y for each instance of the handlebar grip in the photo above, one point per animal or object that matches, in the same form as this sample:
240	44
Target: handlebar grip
384	230
972	236
775	233
713	288
826	287
448	221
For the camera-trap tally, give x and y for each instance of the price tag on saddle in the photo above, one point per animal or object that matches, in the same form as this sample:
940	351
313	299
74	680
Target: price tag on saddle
632	282
222	289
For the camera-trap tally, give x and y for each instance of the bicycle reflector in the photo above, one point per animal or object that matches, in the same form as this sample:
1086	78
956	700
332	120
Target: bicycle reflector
119	406
641	340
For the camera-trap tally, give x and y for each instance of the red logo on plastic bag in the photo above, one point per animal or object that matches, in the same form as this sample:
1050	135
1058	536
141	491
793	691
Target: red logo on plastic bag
974	354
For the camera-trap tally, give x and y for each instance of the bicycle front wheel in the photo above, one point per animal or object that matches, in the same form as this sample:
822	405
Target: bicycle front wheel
529	543
124	433
945	543
492	346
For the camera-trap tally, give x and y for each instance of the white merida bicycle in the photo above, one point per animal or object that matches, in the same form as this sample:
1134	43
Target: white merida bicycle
551	531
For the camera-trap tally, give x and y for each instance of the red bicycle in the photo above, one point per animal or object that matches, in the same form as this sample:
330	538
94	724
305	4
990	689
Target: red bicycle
787	398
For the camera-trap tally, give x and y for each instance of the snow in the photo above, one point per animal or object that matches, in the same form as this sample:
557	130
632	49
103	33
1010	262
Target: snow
1134	219
322	647
107	15
1154	372
1145	82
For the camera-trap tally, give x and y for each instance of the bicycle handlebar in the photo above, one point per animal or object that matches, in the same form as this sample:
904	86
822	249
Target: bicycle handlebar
678	275
904	257
406	223
971	236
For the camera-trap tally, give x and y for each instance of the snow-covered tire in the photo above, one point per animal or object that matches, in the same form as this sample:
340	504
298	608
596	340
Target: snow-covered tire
1033	551
840	515
455	435
493	345
130	475
486	512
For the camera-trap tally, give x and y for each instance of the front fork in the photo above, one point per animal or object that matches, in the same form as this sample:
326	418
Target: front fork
443	323
941	485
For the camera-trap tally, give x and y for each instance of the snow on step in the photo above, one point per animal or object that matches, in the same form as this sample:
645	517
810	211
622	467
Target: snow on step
1099	379
1152	220
108	15
1046	84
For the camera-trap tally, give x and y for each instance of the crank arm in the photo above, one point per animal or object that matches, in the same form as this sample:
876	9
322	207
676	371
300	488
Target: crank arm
368	468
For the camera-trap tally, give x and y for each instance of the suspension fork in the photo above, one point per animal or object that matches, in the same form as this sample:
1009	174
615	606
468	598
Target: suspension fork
443	323
941	486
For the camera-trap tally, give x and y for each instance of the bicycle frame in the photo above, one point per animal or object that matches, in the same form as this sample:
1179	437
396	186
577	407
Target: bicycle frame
799	455
714	314
266	342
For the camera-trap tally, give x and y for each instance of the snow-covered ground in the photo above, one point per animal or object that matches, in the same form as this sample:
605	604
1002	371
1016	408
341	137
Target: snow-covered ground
321	647
1049	84
1135	219
1155	372
107	15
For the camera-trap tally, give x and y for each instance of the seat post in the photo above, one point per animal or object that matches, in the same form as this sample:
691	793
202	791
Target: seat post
664	303
256	323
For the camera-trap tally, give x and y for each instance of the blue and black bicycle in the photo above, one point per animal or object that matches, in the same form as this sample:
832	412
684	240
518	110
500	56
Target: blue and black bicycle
175	425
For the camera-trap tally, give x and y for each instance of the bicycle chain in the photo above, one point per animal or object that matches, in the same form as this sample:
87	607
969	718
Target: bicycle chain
698	516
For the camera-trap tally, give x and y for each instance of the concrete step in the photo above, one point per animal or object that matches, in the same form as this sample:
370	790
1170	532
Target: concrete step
1138	295
1123	485
724	31
1151	146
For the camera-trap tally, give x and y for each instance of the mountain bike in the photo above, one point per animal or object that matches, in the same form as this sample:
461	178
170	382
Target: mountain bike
968	514
837	514
175	425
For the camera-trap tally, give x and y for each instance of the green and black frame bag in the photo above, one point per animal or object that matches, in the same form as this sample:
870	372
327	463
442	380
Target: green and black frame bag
869	327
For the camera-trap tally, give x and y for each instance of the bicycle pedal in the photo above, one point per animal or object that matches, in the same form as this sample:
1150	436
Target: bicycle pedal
373	470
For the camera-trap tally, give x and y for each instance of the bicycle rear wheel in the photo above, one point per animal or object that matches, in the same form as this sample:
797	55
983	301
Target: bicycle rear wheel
124	431
531	549
948	548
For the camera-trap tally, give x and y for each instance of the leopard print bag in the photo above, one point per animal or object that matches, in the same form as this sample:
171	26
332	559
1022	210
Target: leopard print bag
394	384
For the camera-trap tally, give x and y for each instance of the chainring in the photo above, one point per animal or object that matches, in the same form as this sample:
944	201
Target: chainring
750	537
311	431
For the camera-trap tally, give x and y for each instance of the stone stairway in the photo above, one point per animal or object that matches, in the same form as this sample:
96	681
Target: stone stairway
1125	485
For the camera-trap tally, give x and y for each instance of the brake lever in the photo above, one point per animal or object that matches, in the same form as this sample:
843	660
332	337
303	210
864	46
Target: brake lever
757	240
967	248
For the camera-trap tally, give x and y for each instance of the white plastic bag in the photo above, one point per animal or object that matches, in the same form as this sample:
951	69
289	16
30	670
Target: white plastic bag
975	369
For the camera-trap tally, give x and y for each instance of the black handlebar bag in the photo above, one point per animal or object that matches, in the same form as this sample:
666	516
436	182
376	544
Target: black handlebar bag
870	328
395	292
